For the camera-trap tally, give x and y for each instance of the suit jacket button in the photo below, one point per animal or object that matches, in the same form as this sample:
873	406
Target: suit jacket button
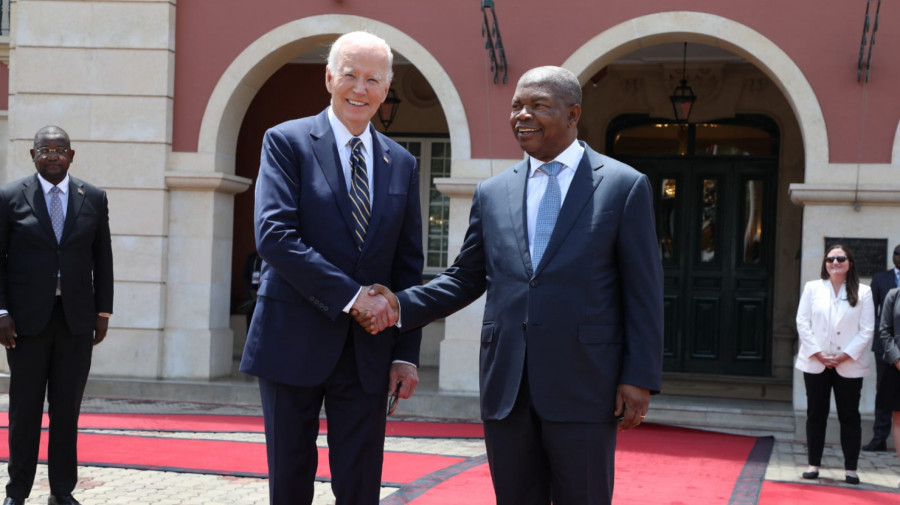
533	284
524	325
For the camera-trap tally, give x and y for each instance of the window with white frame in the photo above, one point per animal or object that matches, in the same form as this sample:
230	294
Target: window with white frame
433	156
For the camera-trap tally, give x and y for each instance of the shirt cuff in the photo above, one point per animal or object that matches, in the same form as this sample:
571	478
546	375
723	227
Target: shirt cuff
405	362
352	301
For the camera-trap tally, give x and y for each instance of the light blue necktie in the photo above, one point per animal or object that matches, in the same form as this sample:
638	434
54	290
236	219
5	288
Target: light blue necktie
359	192
56	212
548	210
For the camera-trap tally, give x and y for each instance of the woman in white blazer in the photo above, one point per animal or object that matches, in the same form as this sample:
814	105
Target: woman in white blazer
836	322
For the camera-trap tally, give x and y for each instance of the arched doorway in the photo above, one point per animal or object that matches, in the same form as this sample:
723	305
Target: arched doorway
714	186
297	89
733	86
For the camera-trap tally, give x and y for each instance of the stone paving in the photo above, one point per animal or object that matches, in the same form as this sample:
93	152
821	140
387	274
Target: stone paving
113	486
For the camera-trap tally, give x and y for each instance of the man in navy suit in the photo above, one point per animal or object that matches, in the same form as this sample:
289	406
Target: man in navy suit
571	341
56	298
337	208
882	282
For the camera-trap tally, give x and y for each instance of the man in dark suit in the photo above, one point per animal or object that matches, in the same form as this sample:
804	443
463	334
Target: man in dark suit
882	282
323	233
571	343
56	297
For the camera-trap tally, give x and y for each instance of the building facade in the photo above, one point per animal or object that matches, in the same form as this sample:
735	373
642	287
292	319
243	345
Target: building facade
789	144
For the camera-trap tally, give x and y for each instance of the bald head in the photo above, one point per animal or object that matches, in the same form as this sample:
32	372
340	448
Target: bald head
51	131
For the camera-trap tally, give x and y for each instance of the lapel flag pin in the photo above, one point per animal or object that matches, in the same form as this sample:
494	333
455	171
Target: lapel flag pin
80	191
386	160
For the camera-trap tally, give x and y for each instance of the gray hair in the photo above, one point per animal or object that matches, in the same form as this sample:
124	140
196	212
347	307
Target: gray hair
561	80
362	38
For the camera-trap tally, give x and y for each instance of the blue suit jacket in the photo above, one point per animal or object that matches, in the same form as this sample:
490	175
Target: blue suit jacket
586	319
312	267
882	282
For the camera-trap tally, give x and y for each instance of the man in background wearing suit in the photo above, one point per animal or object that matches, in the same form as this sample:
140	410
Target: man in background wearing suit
882	282
56	297
571	342
337	208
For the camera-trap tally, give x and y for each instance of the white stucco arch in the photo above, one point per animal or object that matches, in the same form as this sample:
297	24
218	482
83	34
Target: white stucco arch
718	31
252	68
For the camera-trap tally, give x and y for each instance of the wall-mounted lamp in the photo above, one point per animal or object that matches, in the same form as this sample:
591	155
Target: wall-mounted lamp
387	111
490	30
683	97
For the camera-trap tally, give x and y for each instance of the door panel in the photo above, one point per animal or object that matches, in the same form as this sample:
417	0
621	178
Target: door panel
715	222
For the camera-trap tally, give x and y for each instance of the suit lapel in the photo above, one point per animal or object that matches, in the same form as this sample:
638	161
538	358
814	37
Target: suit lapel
517	203
382	161
34	195
586	180
76	200
330	164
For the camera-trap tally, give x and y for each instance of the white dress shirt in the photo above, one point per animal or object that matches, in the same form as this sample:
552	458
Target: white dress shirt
46	186
342	137
537	183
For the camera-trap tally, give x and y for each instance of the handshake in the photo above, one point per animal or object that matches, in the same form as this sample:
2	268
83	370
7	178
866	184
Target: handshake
376	309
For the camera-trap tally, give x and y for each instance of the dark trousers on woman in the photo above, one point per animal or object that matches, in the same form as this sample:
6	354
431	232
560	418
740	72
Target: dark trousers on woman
818	405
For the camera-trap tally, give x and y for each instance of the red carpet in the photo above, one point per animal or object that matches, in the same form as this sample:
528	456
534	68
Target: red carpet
208	456
658	465
655	465
249	424
785	493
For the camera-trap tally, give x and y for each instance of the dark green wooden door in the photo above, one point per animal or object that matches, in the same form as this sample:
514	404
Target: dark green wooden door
715	221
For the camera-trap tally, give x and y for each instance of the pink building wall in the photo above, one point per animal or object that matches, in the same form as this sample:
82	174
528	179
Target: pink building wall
4	87
822	39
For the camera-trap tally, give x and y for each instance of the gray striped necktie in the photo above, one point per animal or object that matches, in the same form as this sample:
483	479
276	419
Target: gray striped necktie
359	192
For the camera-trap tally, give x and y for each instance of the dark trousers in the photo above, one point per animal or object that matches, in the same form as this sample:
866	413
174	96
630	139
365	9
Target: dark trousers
818	404
57	363
356	423
534	462
882	428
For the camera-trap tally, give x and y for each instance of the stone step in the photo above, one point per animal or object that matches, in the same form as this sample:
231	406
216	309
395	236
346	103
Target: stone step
752	417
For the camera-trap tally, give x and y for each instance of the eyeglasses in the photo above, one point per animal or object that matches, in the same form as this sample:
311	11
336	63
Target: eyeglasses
839	259
897	252
46	151
394	400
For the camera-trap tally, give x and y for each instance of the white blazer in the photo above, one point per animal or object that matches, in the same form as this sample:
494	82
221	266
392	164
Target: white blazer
828	323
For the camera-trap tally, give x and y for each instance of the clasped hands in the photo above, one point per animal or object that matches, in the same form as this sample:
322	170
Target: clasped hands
376	309
831	360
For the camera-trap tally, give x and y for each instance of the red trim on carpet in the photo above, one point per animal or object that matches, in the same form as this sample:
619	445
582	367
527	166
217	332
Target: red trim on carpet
217	457
249	424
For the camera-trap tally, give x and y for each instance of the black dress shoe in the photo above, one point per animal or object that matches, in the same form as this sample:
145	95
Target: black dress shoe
849	479
811	475
13	501
875	446
62	500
